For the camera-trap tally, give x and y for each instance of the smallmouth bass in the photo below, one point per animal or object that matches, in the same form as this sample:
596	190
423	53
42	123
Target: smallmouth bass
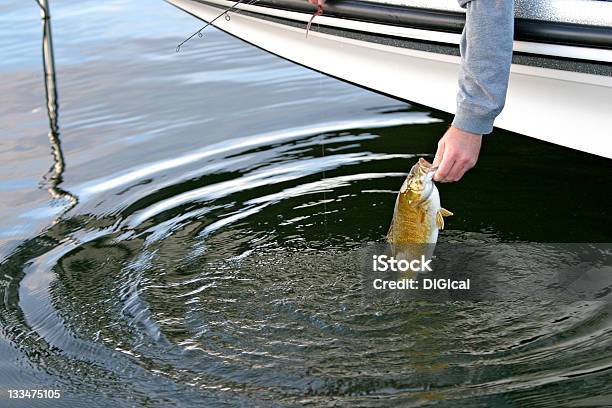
417	216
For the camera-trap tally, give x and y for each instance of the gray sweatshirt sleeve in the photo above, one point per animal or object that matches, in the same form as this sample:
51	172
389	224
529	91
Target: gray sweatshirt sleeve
486	55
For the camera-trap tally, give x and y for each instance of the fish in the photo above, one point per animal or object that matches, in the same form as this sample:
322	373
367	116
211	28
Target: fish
417	216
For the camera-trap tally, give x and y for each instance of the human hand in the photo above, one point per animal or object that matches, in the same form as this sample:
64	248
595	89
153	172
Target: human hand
457	153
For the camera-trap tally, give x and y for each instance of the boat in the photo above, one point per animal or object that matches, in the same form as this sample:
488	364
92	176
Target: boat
560	88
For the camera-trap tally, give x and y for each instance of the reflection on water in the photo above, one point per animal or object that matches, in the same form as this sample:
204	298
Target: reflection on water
212	256
55	176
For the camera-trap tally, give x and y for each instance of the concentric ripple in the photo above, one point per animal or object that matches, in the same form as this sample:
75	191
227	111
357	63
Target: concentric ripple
236	283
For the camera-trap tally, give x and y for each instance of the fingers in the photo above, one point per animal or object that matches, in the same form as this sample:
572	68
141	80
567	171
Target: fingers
457	153
446	167
453	166
459	169
448	172
461	165
466	164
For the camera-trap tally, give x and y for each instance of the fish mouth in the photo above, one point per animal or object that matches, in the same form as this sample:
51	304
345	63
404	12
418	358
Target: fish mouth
427	166
424	163
426	169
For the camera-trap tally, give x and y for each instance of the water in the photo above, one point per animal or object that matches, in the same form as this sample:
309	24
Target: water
198	245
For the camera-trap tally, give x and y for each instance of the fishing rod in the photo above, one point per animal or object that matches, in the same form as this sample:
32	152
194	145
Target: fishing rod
227	18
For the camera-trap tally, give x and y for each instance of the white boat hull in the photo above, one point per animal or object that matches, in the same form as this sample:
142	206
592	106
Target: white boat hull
571	109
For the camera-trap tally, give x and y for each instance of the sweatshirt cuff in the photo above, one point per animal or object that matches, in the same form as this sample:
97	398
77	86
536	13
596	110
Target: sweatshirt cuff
473	122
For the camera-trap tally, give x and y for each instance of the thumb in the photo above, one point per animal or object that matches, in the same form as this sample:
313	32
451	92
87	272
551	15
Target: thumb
438	159
439	154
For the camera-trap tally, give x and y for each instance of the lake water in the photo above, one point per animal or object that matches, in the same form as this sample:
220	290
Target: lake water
195	241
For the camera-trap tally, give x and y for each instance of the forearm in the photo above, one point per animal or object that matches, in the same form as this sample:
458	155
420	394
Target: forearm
486	55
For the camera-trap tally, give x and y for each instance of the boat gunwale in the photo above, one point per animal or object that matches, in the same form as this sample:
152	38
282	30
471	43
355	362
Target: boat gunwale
559	63
529	30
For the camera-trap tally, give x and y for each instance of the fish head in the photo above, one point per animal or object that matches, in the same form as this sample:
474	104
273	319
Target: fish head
419	185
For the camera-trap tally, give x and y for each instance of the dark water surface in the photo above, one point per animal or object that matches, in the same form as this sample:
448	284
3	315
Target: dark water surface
198	246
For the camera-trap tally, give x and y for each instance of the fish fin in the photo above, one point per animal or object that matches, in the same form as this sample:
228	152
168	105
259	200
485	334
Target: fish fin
445	212
390	233
442	212
440	220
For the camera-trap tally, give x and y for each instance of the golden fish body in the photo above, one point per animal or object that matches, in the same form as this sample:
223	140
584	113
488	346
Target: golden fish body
417	216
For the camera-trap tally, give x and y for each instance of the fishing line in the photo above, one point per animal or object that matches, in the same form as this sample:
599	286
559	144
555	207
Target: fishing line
320	87
199	32
323	177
